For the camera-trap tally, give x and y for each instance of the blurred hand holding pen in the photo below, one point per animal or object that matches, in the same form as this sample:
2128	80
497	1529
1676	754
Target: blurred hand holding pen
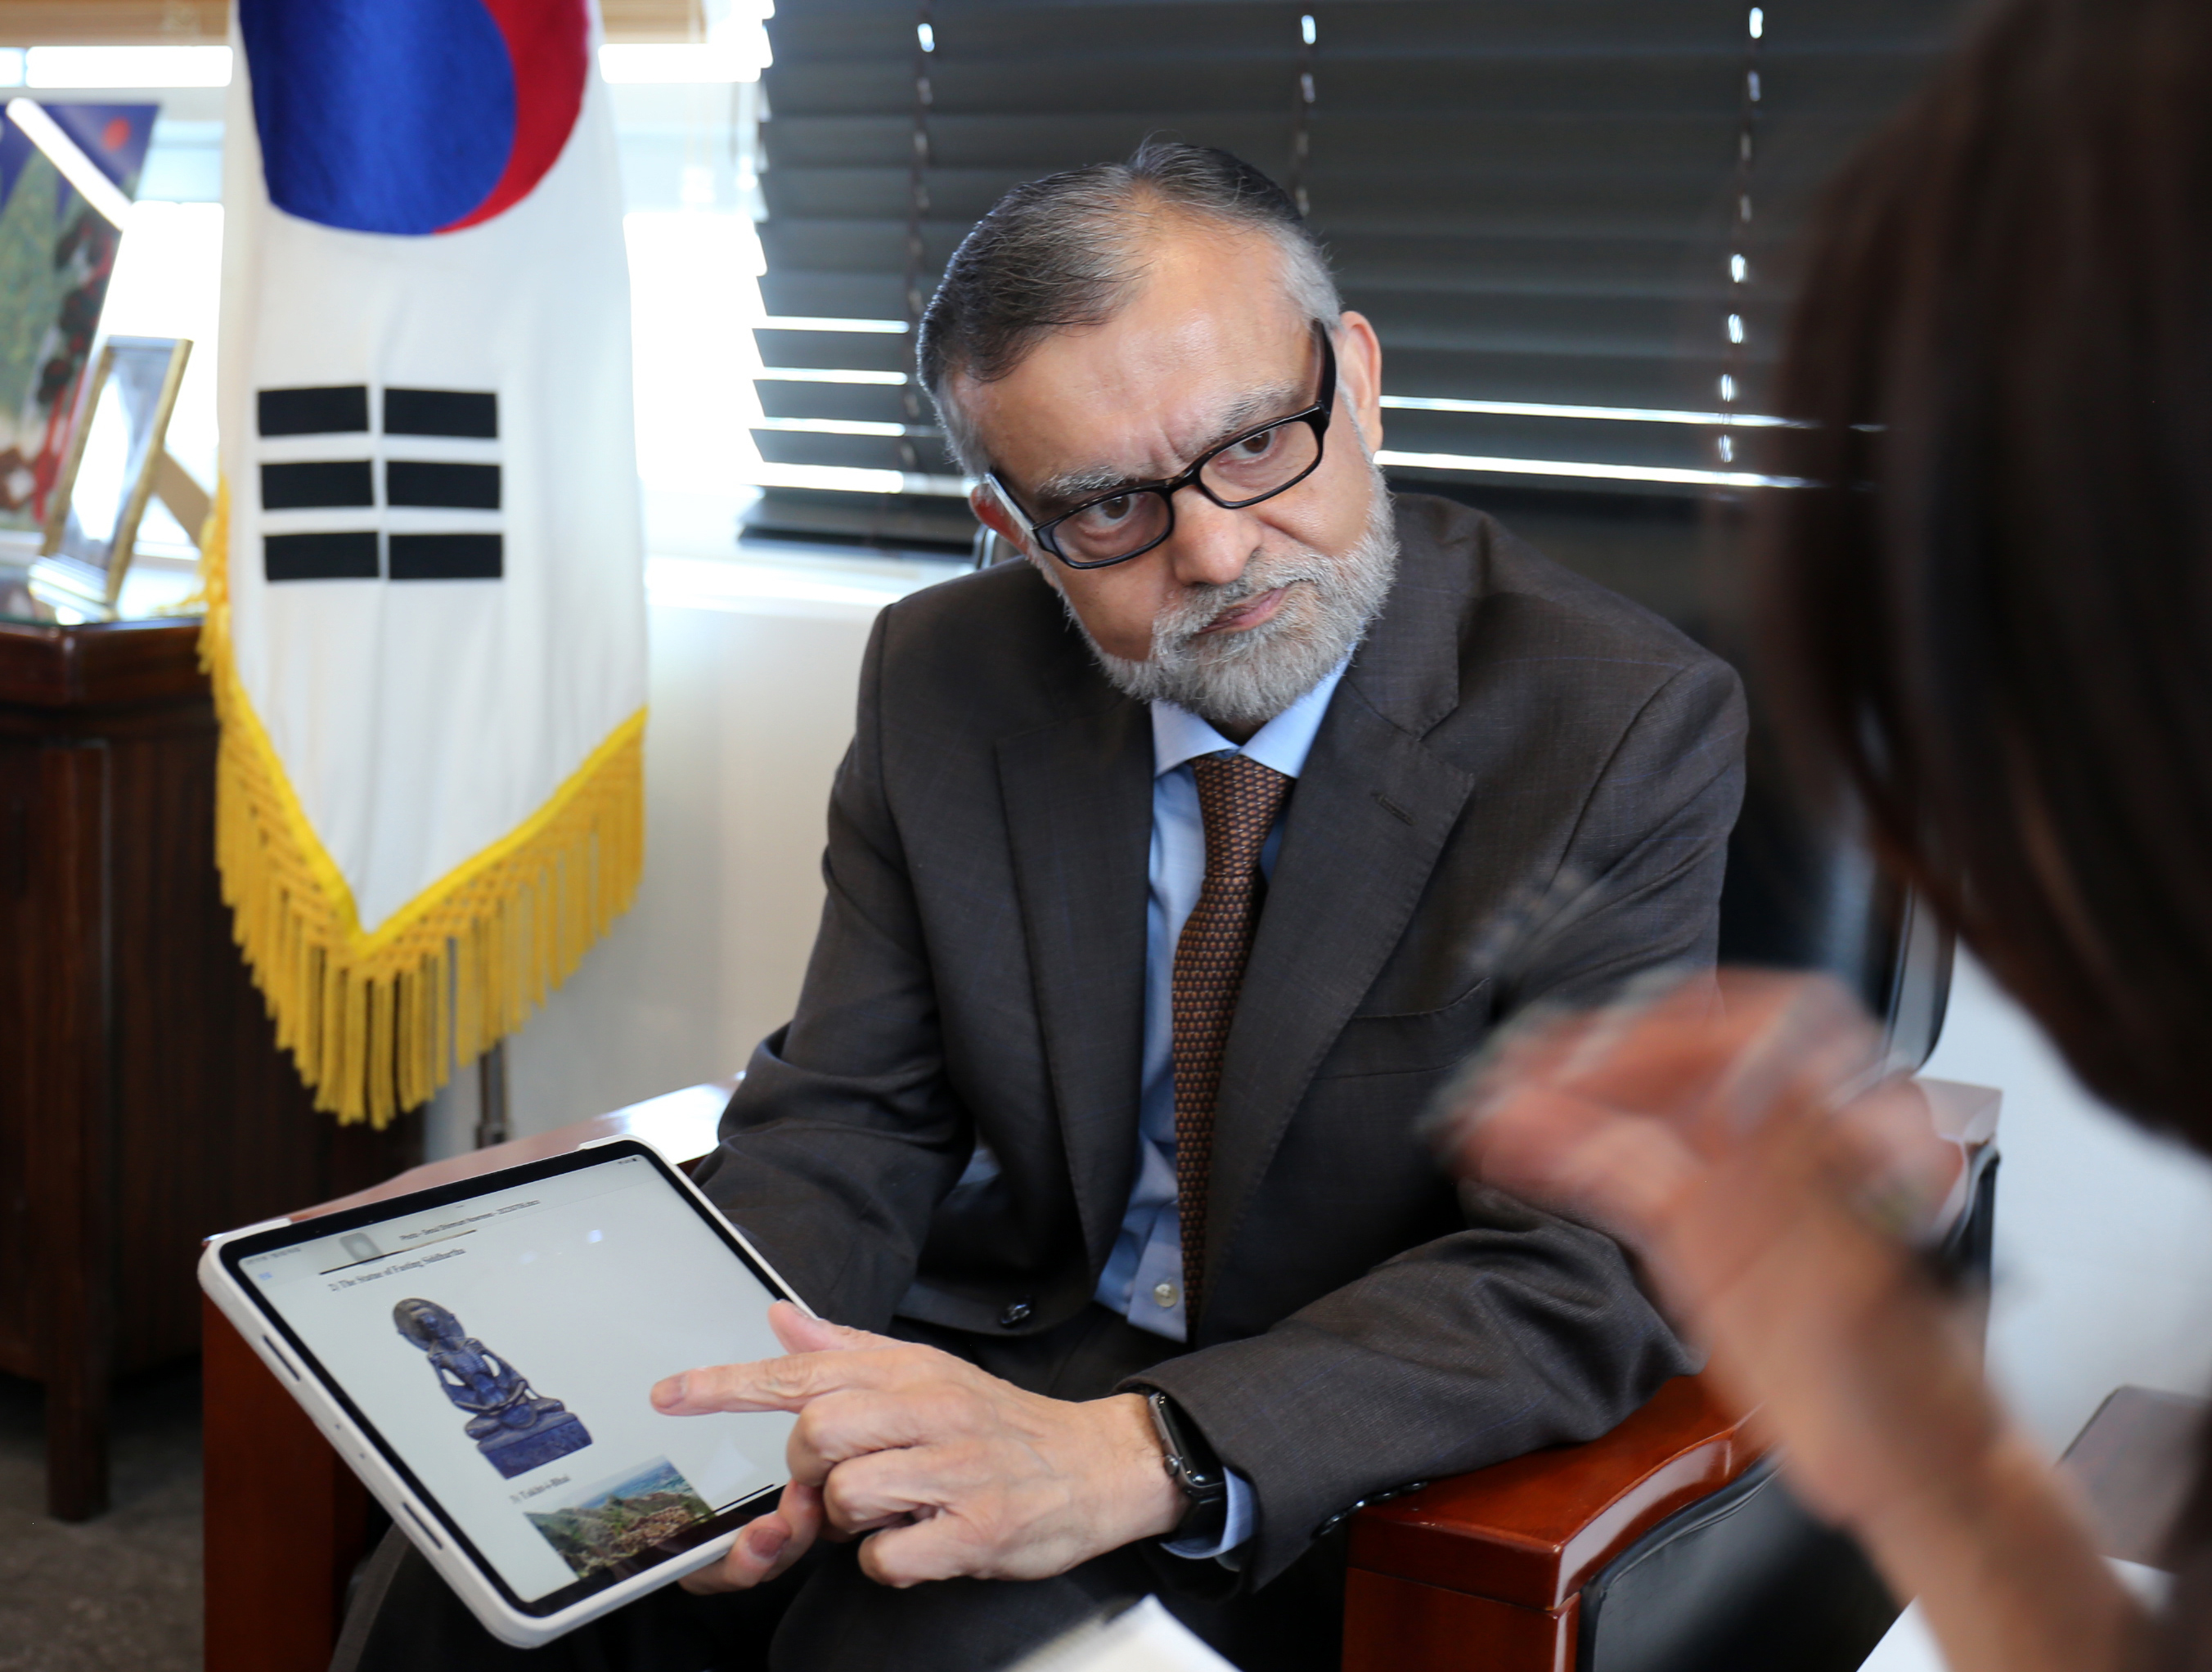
1607	1113
1744	1137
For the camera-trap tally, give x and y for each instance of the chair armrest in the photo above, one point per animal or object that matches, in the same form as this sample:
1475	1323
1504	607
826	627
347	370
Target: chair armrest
1532	1530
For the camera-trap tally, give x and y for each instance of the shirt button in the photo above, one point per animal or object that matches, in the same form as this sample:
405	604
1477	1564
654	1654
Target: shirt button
1165	1293
1016	1313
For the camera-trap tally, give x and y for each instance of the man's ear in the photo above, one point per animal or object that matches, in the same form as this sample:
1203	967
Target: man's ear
991	511
1359	375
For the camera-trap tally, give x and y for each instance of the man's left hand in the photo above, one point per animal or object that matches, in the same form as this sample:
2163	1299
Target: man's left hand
953	1472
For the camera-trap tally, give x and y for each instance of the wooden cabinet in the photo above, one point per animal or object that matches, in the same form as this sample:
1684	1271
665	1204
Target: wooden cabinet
143	1103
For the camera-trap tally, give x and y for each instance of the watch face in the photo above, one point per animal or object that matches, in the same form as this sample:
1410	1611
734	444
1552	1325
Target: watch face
1188	1458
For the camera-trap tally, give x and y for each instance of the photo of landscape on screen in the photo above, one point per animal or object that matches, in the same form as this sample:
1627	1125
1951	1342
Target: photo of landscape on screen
620	1517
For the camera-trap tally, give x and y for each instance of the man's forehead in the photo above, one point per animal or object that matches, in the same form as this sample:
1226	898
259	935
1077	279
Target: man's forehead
1192	356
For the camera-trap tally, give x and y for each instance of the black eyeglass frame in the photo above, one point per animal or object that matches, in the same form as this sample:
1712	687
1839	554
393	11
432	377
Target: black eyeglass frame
1317	417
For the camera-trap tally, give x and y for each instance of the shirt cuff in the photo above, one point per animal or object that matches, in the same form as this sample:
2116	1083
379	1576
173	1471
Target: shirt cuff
1234	1531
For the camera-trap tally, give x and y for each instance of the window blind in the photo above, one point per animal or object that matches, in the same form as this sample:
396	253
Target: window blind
1569	219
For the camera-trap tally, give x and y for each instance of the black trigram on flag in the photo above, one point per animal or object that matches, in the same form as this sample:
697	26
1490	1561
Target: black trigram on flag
336	505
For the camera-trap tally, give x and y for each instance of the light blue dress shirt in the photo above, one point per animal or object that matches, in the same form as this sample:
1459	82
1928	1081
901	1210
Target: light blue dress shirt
1143	1278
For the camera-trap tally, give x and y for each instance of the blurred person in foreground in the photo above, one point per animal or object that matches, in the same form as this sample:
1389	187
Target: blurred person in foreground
1994	620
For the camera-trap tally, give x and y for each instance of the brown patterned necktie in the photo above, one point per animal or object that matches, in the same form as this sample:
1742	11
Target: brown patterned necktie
1238	799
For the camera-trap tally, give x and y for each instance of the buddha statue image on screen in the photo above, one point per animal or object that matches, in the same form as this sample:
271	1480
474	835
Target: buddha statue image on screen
516	1428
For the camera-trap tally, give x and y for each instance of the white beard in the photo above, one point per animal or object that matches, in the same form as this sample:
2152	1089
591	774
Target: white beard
1240	681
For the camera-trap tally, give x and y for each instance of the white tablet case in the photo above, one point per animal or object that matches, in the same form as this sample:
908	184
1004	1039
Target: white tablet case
416	1519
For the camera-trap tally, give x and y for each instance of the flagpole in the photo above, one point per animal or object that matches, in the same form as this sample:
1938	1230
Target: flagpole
491	1095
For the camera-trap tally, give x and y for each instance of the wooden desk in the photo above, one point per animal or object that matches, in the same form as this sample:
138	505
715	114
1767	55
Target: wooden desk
143	1103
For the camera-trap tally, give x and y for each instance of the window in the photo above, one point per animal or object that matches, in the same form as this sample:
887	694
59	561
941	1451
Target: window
1567	218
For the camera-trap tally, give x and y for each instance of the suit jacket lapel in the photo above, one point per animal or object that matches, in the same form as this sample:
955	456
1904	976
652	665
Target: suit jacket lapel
1078	797
1367	821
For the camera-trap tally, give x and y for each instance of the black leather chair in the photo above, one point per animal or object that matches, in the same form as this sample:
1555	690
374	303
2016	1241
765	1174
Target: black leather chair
1746	1578
1673	1544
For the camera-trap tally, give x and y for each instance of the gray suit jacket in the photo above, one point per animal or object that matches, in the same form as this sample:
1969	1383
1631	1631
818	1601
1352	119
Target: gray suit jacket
1521	790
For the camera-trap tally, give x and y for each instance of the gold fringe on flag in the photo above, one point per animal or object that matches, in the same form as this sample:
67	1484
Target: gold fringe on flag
377	1022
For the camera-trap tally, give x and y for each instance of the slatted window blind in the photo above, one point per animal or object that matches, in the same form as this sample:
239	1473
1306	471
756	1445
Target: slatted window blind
1569	219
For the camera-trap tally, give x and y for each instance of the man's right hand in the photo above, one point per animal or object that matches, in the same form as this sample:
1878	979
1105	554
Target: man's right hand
945	1471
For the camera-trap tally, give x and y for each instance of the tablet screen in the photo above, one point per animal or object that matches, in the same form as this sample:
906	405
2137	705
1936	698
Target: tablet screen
500	1345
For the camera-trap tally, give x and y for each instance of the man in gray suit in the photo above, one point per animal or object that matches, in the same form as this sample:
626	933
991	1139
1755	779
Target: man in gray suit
1170	872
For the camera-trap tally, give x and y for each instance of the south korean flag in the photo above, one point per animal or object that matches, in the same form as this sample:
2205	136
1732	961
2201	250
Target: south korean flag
426	624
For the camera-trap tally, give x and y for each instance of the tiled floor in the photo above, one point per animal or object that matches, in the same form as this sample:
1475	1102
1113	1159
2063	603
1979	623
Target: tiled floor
121	1593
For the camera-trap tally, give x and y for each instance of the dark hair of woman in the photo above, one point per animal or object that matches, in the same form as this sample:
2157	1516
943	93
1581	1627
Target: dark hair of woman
1994	614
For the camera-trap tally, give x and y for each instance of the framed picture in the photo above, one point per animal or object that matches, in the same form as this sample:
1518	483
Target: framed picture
58	249
115	463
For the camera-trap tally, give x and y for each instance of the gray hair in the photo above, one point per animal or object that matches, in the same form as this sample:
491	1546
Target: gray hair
1063	253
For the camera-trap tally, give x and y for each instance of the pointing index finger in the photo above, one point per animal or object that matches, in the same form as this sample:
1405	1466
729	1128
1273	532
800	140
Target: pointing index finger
788	1383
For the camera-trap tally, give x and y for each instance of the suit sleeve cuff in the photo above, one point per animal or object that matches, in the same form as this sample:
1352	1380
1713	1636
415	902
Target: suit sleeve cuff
1235	1529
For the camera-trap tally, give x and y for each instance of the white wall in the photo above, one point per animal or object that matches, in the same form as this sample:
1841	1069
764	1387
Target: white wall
2104	1243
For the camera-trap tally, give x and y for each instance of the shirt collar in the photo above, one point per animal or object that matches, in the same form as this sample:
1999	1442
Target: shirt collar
1180	735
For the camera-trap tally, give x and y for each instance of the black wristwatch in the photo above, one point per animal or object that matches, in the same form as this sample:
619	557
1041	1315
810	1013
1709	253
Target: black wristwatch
1193	1467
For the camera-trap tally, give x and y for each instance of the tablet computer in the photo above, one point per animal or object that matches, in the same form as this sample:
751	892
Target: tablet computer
481	1354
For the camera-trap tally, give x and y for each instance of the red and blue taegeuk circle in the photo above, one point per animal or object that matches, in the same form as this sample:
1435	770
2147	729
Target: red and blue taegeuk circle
412	115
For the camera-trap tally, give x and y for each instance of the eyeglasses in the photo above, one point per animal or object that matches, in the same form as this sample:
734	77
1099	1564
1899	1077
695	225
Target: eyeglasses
1244	469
